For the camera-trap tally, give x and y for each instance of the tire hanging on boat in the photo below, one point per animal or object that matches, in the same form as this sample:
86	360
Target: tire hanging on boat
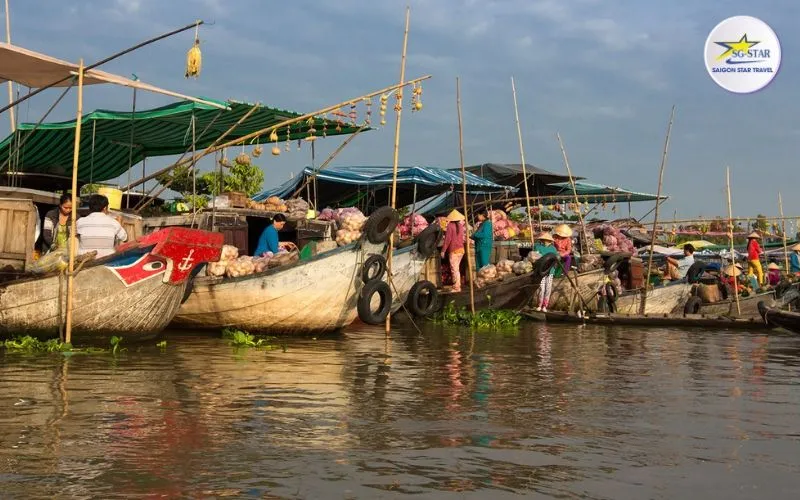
422	298
428	239
695	271
380	225
373	269
693	305
364	306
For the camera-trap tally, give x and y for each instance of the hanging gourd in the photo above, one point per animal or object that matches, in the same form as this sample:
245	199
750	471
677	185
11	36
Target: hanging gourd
368	113
311	130
194	58
243	159
325	125
288	138
258	149
416	97
384	98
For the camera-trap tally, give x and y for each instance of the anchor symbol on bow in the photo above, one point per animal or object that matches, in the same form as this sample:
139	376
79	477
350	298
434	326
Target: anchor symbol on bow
186	262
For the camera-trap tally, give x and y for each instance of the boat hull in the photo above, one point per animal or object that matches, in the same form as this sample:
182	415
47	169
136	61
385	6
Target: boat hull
748	306
616	319
564	296
314	296
511	293
778	318
133	293
668	299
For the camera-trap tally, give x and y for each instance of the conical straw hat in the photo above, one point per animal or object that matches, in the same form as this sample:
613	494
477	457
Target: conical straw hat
773	265
732	271
754	235
563	230
796	247
455	216
545	237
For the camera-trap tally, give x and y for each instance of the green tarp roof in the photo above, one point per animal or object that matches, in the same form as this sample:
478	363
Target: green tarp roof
156	132
597	193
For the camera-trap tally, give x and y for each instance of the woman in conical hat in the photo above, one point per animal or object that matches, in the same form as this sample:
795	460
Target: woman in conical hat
544	246
754	253
794	260
453	246
562	240
773	274
729	278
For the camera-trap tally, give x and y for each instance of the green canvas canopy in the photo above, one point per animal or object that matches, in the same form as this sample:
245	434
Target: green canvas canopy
106	137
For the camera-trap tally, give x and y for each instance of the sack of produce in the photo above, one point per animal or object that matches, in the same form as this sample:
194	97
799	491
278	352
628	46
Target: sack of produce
283	258
297	208
505	266
533	257
240	267
411	227
229	252
488	273
480	283
522	267
217	268
502	275
57	260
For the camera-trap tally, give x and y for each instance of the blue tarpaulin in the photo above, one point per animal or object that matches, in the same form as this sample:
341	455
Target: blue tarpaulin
370	186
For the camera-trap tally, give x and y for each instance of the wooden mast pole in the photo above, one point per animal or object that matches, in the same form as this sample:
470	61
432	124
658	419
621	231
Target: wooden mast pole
730	235
783	232
396	159
574	191
73	239
524	170
10	83
655	215
464	195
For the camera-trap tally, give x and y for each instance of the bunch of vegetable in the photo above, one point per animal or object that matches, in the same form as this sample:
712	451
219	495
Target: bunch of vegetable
297	208
488	273
615	241
229	253
351	222
411	227
242	266
505	266
522	267
327	214
503	227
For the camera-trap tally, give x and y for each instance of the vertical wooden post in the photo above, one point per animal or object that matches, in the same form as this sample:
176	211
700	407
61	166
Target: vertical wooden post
574	190
524	168
396	158
73	238
10	83
783	231
655	215
464	197
730	235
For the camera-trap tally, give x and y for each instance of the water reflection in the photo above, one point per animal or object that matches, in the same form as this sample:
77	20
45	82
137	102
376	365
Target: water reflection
561	411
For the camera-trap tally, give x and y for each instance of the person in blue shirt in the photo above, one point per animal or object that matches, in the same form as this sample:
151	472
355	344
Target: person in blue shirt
794	262
484	239
268	242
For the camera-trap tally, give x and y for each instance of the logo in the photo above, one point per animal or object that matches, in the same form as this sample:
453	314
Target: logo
742	54
186	262
136	268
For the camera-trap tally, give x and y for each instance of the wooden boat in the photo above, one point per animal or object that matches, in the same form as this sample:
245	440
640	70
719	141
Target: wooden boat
748	306
651	320
134	292
667	299
408	265
779	318
510	293
564	296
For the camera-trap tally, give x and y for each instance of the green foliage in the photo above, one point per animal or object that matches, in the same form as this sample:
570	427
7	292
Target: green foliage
90	189
484	319
115	345
181	178
30	345
761	223
162	344
199	201
242	178
240	338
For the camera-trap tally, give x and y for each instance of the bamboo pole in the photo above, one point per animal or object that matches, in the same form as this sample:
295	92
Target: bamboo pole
278	126
396	158
655	216
783	232
522	157
101	62
73	239
574	190
10	83
464	196
730	232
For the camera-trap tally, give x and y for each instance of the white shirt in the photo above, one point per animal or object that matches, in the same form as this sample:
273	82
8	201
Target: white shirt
99	232
684	264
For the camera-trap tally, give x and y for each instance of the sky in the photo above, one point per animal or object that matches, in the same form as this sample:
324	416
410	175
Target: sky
602	73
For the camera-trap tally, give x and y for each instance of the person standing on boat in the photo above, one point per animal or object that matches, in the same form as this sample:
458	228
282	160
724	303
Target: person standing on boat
268	241
454	241
562	241
754	253
484	239
677	268
98	231
544	247
794	260
55	231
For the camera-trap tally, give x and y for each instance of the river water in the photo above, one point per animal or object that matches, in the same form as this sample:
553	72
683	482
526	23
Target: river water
550	411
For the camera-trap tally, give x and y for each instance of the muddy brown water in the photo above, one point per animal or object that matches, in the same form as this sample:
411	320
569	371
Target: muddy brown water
548	411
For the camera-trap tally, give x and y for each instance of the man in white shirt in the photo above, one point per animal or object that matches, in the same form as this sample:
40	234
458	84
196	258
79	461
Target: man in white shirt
677	268
98	231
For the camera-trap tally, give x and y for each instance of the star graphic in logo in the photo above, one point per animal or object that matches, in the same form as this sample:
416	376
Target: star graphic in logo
742	45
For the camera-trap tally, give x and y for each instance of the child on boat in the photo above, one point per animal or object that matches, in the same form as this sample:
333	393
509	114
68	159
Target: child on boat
544	247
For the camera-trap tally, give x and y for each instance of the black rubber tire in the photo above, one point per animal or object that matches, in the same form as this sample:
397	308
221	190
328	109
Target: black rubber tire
545	263
428	239
613	262
380	225
692	305
781	288
762	310
374	268
365	312
422	299
611	298
695	271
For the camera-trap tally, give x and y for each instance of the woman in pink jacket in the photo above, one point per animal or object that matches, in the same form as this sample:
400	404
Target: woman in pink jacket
454	241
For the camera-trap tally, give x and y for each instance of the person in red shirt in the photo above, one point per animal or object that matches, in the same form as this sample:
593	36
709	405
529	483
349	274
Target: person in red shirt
754	253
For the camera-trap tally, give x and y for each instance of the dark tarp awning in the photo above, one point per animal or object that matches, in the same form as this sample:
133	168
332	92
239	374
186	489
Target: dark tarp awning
370	187
596	193
510	174
162	131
